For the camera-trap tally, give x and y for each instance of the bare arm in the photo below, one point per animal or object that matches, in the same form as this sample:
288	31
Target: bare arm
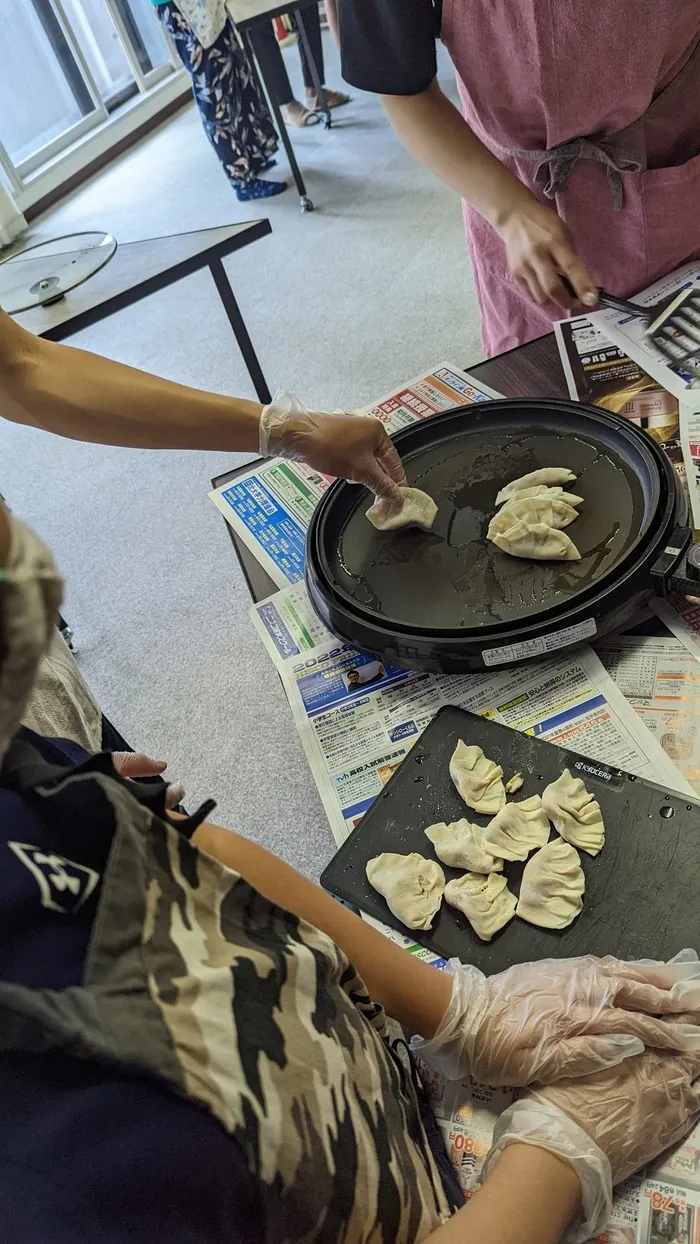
89	398
528	1199
538	246
431	128
331	7
531	1194
410	991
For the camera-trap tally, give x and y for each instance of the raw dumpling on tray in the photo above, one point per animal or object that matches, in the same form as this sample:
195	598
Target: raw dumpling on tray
517	829
412	886
487	902
575	814
462	845
417	510
478	780
552	886
545	475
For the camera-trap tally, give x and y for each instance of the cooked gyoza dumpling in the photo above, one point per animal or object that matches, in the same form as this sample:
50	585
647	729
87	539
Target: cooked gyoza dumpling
478	780
551	891
545	490
546	475
547	510
486	901
517	829
461	845
417	509
411	885
538	542
575	814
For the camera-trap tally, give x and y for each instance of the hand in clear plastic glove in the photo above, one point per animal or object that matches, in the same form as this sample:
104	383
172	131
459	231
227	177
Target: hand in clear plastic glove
353	447
606	1125
543	1022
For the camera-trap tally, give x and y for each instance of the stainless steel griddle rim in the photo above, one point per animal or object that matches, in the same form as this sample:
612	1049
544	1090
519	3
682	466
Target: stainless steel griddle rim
587	603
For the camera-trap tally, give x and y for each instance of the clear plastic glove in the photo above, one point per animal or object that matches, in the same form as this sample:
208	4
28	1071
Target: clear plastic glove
353	447
607	1125
543	1022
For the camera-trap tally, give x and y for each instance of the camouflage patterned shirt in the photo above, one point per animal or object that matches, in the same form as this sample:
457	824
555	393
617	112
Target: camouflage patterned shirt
195	981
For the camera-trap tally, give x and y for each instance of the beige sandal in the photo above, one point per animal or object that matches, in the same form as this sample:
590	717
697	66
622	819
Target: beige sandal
299	115
334	99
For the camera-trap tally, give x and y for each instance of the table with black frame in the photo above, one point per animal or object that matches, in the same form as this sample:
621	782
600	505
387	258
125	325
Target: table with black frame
141	268
246	15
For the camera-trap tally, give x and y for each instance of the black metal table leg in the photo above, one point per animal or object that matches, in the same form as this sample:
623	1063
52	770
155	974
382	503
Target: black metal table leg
237	323
258	70
318	85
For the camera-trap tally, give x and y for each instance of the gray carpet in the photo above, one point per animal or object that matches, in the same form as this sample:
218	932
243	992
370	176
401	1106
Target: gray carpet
342	304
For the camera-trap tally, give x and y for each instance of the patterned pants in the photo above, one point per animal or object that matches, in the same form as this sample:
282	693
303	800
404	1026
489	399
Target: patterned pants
234	114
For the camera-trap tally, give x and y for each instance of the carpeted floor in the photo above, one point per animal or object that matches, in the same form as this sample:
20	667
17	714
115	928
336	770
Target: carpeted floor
342	304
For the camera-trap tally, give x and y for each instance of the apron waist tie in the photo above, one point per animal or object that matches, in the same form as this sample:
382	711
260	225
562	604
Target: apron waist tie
555	164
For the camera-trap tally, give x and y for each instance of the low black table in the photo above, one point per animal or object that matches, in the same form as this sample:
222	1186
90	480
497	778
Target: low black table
142	268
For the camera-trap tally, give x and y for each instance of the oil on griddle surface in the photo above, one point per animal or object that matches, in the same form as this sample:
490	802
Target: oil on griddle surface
454	577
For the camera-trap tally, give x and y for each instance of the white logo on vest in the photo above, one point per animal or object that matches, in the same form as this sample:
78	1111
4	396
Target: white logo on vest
63	885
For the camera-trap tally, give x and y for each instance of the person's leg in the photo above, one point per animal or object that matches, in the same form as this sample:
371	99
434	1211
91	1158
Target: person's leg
271	61
274	72
311	22
331	7
234	114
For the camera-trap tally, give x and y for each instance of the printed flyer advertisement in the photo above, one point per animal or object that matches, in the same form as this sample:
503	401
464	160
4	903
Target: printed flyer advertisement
599	372
661	680
358	716
683	381
629	332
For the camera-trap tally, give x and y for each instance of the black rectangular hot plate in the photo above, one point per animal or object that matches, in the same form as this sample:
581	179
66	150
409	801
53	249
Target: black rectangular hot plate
642	891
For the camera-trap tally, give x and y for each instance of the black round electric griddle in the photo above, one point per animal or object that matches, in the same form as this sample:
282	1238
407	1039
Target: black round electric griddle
449	599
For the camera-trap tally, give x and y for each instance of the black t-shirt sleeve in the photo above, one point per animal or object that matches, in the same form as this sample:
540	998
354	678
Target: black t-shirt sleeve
388	46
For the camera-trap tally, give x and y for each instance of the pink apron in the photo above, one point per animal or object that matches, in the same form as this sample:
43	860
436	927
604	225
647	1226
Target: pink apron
603	98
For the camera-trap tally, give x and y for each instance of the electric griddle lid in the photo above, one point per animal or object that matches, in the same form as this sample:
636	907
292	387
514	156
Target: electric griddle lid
452	580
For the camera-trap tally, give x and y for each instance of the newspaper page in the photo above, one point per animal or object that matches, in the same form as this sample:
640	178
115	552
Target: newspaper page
466	1115
668	1213
690	442
681	614
629	332
598	372
270	506
358	716
354	740
661	680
